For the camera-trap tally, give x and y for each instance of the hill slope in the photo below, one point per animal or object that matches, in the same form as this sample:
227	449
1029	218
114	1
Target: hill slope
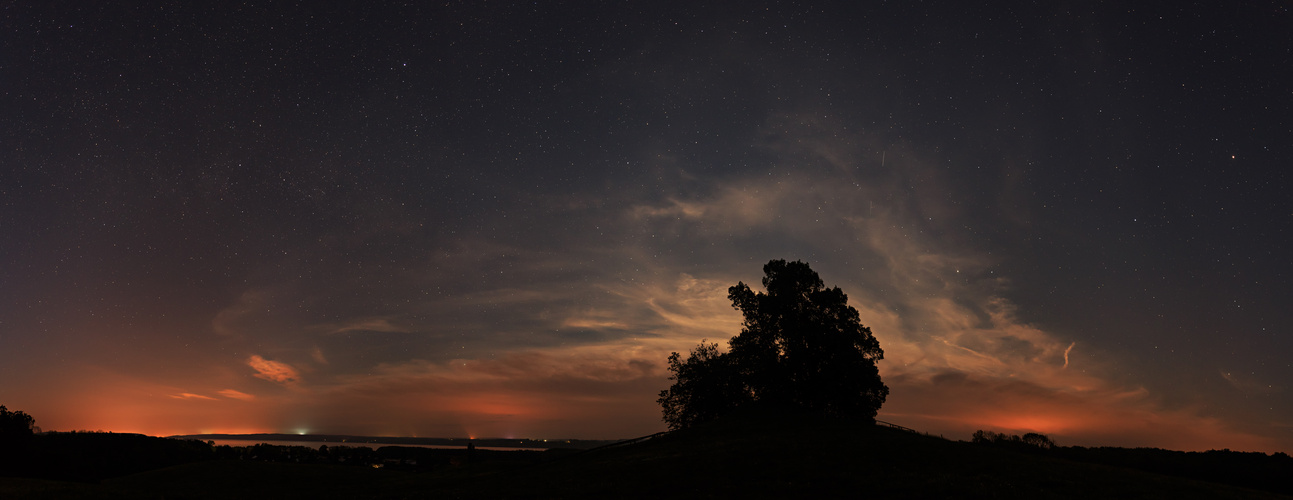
816	457
787	456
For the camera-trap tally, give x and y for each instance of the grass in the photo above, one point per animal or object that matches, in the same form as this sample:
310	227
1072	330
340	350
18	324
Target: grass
787	456
817	457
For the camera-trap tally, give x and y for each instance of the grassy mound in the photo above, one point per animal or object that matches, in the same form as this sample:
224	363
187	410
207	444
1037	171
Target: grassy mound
803	456
749	456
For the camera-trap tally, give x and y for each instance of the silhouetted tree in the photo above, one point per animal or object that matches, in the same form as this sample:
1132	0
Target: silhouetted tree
1038	440
16	436
801	346
1031	439
983	437
705	386
15	424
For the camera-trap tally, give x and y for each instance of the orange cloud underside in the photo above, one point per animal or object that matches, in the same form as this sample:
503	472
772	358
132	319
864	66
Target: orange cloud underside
543	394
1084	418
951	373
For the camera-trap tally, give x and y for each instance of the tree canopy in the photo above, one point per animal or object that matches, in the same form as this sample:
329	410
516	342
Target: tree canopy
801	346
15	424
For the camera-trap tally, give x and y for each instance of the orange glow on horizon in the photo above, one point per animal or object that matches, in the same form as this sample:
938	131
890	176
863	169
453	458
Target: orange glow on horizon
1080	422
605	392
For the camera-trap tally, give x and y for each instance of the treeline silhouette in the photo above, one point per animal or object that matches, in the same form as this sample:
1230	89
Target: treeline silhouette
91	456
352	440
1247	469
1027	441
94	456
392	457
85	456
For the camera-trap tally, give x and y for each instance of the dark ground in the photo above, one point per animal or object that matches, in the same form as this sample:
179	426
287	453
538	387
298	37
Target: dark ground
793	456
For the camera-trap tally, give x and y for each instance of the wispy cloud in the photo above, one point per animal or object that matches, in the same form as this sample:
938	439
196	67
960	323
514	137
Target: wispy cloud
187	395
1247	383
524	334
234	394
273	371
958	356
365	325
318	356
957	403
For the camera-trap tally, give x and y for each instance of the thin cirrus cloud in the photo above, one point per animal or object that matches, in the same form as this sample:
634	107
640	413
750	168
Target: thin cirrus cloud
187	395
235	394
365	325
608	387
605	387
532	392
273	371
514	338
953	341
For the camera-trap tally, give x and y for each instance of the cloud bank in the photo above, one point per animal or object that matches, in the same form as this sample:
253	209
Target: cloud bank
506	338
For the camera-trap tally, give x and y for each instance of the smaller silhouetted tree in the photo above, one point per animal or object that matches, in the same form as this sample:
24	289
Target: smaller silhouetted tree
16	424
1030	440
1038	440
983	437
706	386
17	430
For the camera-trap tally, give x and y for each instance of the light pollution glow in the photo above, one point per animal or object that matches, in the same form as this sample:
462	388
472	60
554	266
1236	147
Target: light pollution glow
402	226
956	357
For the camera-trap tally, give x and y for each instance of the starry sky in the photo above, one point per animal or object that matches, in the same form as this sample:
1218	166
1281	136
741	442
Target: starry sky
497	219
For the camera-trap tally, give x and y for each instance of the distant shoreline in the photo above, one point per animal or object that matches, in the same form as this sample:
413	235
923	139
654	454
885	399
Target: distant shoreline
354	444
347	440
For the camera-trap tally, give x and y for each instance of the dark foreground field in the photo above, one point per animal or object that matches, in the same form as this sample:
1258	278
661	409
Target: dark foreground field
751	457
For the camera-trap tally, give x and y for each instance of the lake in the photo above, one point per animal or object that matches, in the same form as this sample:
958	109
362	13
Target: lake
373	445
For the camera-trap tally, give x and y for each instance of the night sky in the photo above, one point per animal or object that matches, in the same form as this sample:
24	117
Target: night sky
498	220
